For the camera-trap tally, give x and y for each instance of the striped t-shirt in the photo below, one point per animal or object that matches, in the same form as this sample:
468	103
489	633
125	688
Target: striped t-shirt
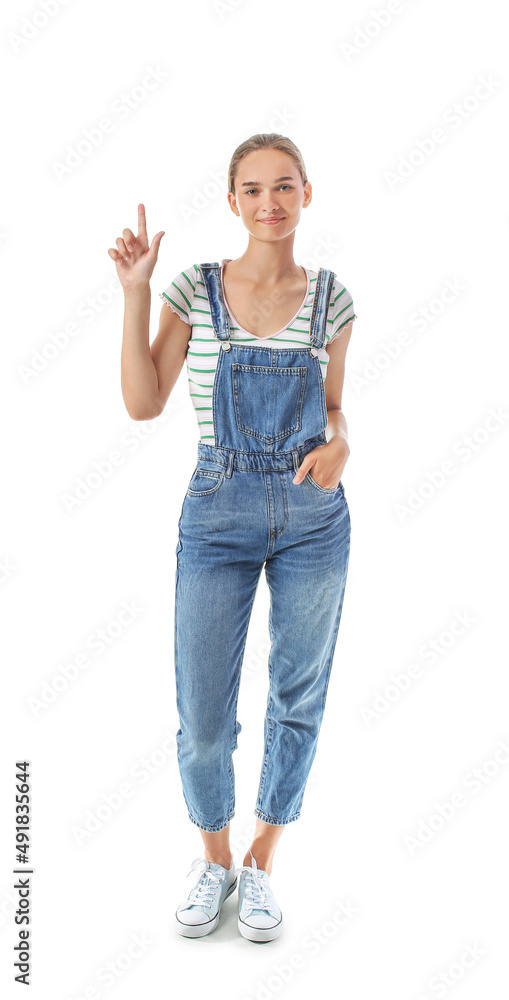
186	295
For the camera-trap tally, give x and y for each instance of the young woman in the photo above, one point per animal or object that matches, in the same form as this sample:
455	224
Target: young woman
264	340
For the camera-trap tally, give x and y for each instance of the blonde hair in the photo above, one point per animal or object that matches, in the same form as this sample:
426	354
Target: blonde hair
265	140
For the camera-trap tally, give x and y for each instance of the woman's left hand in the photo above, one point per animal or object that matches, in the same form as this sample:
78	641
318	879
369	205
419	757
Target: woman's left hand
327	461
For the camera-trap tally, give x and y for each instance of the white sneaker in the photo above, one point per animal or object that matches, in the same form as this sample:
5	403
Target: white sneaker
199	913
259	915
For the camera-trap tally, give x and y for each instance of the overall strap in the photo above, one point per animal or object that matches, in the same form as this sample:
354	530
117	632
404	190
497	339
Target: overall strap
323	291
211	274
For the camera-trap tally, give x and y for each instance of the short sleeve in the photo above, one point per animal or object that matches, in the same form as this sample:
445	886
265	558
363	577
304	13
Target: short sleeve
180	292
341	310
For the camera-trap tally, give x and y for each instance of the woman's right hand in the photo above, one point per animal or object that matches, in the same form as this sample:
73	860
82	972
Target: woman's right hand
135	259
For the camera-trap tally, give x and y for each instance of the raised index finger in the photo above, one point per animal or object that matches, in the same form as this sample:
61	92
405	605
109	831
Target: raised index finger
142	224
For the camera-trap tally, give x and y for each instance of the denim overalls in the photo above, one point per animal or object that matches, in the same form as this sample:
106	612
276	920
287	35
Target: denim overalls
241	512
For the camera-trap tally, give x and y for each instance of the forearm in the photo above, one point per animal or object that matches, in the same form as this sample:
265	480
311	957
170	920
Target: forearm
138	373
336	426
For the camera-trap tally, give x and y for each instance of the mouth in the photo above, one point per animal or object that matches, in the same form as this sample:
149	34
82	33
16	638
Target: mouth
271	222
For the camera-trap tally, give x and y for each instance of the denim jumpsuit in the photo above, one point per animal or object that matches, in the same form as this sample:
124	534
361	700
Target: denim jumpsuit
241	512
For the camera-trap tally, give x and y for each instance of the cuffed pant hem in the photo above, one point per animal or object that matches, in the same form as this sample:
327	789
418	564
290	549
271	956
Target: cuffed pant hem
211	829
273	821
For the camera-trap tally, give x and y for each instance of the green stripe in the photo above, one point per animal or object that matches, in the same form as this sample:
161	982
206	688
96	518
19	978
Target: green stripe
346	307
345	323
175	303
186	276
182	294
201	354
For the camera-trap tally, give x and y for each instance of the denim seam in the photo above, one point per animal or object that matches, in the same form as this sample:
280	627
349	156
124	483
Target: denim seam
269	720
215	383
301	371
323	401
270	534
274	820
332	653
265	756
232	783
269	736
210	829
175	640
284	500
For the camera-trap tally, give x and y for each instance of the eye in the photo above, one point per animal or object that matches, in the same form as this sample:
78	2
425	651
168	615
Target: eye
280	186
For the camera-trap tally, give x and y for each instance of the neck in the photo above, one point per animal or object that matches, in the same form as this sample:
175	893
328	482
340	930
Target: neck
269	263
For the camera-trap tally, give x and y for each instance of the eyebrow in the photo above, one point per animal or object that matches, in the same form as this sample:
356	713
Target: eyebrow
258	183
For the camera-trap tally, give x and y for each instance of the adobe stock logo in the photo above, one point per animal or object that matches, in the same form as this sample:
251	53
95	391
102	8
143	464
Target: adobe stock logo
474	781
453	118
119	110
464	449
31	26
427	654
439	984
97	642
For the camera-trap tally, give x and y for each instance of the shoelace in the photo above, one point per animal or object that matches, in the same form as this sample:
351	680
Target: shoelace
256	890
206	884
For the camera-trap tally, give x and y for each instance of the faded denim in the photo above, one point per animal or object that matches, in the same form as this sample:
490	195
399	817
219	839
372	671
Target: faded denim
242	513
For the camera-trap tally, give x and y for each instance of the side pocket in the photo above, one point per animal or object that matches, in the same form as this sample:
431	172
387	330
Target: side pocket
322	489
205	481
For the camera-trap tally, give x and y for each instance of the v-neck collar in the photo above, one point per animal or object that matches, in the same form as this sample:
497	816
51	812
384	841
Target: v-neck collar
226	260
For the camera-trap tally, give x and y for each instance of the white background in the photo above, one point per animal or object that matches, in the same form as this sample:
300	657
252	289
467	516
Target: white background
398	236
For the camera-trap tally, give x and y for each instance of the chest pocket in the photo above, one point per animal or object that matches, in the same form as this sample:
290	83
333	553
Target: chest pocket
268	401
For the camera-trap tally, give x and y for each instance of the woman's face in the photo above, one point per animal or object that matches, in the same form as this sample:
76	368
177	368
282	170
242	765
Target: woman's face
269	185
